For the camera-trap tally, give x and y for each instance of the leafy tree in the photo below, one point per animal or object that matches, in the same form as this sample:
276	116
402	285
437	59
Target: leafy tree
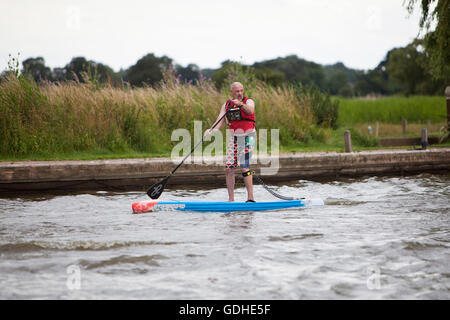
36	69
191	73
337	81
340	80
148	70
377	80
296	70
370	82
436	42
79	68
75	68
122	75
231	71
208	73
339	67
410	66
403	70
104	73
403	65
346	91
273	78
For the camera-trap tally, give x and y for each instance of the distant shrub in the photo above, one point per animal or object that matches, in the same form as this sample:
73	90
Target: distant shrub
324	109
363	140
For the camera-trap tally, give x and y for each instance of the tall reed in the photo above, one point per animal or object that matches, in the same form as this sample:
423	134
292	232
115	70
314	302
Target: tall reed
63	118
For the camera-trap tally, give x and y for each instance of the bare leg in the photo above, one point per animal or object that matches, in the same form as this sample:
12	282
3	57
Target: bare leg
248	180
229	175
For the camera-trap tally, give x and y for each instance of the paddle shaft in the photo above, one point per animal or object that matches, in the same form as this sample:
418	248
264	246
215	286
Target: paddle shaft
155	190
195	147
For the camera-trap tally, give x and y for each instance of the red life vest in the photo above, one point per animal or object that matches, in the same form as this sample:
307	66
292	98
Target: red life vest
248	120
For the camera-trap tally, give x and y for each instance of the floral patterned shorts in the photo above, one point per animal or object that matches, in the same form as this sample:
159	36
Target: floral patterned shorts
239	151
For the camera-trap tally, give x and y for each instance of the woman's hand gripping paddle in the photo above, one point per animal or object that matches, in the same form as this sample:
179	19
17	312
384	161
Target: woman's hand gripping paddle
157	189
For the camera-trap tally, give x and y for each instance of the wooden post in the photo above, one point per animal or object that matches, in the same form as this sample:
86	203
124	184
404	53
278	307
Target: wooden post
424	139
377	128
404	124
447	96
347	141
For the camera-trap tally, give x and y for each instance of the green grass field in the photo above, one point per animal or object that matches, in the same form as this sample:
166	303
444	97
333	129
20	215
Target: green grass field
415	109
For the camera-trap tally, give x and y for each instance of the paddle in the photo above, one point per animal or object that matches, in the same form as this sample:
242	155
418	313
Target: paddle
157	189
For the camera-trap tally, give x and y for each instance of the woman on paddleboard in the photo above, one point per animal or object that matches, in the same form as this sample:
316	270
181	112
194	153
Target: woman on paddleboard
240	115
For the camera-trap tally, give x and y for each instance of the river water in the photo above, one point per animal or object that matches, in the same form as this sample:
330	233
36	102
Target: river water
376	238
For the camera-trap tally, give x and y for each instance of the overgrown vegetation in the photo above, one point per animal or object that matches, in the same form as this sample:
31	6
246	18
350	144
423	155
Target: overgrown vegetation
436	42
64	118
88	117
363	140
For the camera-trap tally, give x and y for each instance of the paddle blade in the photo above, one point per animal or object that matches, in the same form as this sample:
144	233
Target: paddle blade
157	189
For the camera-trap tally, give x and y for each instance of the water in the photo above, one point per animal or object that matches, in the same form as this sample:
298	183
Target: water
376	238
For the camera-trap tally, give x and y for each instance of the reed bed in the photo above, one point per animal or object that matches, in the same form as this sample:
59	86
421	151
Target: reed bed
65	118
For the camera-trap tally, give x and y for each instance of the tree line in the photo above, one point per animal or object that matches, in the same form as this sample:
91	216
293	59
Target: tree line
421	67
404	70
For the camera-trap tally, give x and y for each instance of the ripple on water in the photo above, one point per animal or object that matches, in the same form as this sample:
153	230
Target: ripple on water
295	237
32	246
398	226
151	260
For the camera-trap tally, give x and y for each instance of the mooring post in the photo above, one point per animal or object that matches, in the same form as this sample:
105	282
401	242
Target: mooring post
447	96
347	141
424	139
404	124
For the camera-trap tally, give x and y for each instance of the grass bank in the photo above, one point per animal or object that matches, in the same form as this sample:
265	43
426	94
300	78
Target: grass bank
415	109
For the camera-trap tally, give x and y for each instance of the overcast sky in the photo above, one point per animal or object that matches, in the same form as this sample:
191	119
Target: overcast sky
118	33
